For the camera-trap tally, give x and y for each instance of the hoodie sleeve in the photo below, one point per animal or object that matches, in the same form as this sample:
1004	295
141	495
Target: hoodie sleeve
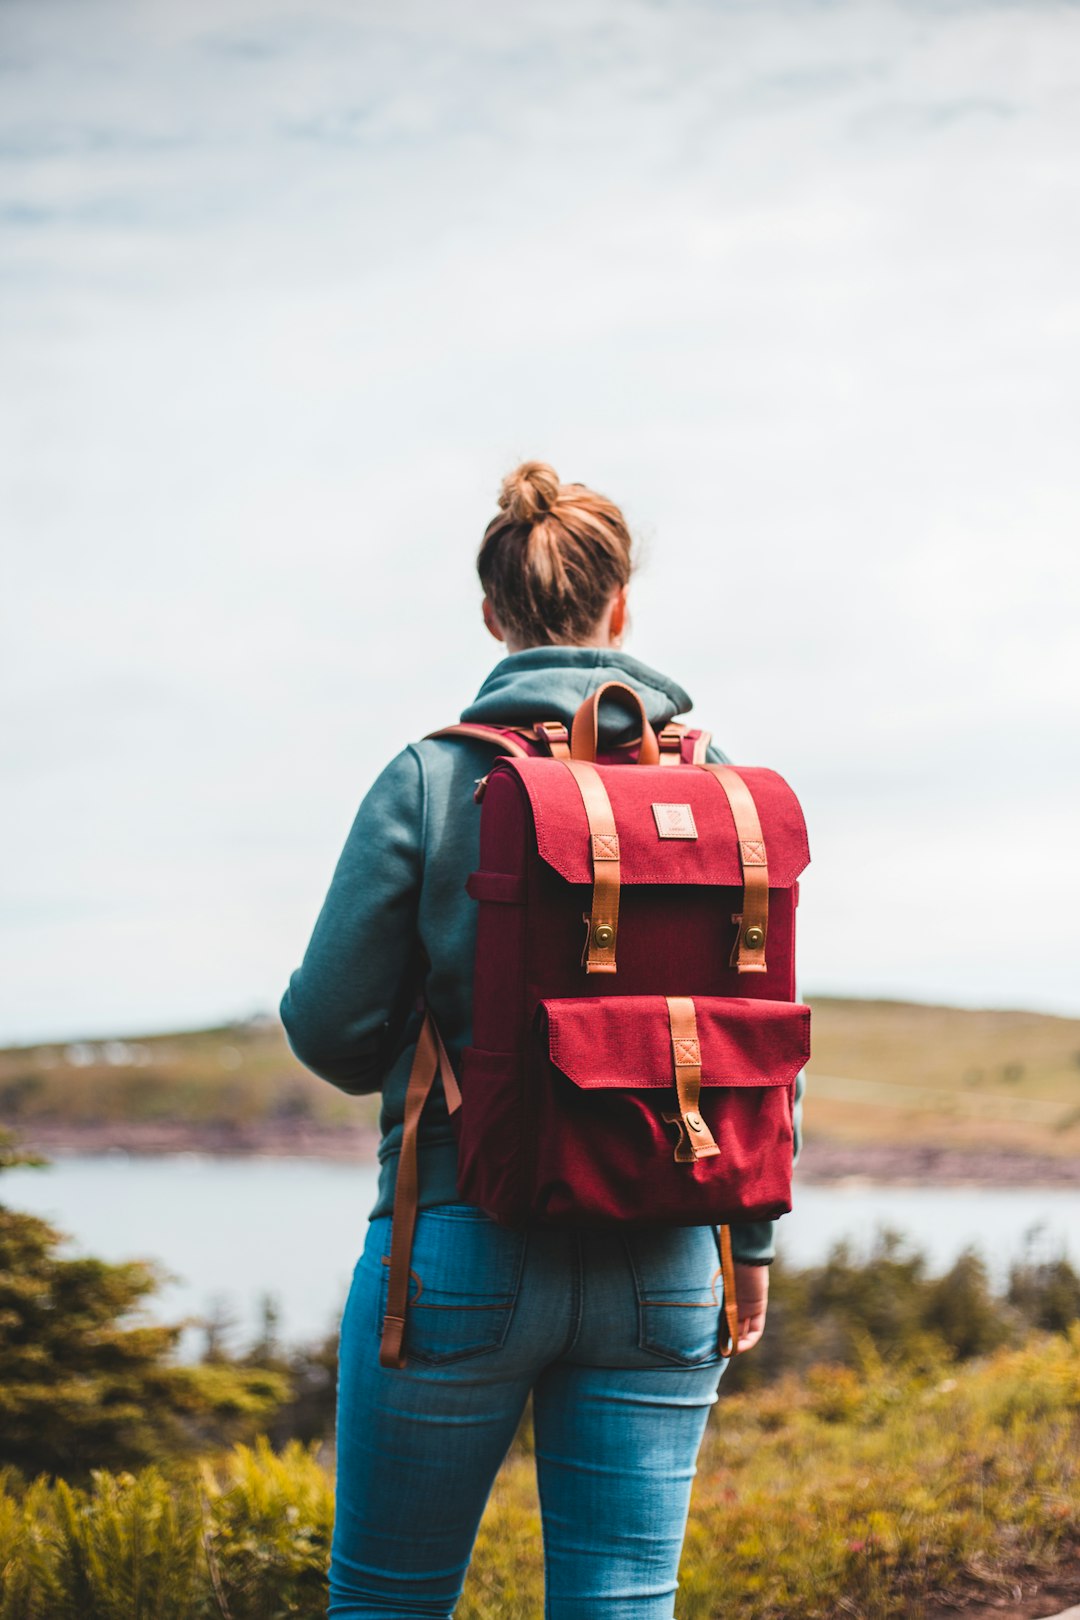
753	1243
348	1000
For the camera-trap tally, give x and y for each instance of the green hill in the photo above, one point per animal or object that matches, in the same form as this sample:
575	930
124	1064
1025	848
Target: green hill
944	1076
236	1088
882	1071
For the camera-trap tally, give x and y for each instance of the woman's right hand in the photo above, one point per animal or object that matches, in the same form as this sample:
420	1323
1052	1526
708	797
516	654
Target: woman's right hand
752	1293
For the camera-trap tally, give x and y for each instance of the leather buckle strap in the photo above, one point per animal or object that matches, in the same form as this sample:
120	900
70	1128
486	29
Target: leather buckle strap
748	952
683	745
670	740
429	1060
731	1302
696	1141
489	734
556	737
602	922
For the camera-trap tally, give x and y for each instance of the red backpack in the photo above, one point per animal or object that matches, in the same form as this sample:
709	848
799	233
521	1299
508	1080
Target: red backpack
636	1037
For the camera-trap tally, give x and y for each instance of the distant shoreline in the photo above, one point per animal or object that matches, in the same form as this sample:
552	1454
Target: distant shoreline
823	1160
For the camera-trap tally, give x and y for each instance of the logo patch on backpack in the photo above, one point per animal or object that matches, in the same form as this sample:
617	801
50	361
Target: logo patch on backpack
674	820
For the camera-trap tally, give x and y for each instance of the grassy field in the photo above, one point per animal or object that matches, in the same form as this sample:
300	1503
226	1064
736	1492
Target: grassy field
945	1075
850	1493
240	1079
881	1070
861	1493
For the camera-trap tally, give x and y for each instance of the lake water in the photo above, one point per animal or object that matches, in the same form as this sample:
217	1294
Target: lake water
233	1230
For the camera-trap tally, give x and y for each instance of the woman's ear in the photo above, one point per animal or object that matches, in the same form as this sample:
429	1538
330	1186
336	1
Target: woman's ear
491	621
617	619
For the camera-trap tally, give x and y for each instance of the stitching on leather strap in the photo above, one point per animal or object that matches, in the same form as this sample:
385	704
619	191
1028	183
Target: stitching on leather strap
748	954
602	921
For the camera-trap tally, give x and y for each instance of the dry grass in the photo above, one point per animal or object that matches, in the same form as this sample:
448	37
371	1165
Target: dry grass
881	1070
240	1075
850	1494
944	1076
841	1493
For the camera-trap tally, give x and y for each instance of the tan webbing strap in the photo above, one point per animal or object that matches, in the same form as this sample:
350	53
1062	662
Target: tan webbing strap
748	953
696	1141
602	923
489	734
731	1302
430	1057
701	748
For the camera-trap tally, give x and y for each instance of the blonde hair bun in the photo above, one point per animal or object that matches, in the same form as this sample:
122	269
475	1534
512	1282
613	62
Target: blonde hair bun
529	492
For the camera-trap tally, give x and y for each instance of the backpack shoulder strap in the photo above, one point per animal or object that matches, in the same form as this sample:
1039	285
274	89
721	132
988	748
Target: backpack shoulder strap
548	736
429	1060
506	741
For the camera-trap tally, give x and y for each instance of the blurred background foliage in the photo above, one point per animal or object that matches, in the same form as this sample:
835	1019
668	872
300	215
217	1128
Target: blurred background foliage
894	1432
882	1071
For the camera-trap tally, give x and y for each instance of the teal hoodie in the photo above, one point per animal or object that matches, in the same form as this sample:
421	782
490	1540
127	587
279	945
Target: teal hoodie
397	917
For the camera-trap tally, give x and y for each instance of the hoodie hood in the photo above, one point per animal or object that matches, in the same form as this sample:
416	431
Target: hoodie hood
551	683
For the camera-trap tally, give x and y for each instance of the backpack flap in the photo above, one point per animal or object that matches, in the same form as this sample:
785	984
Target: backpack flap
610	1116
674	827
632	833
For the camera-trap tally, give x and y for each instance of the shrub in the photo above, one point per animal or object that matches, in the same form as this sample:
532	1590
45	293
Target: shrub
269	1520
84	1382
863	1490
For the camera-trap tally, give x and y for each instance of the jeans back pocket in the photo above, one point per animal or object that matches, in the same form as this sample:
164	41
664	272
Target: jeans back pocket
464	1280
679	1292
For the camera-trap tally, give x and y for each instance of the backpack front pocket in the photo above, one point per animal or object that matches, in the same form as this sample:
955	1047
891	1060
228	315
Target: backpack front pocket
608	1127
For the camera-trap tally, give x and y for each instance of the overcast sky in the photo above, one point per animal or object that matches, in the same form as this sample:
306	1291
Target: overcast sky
285	290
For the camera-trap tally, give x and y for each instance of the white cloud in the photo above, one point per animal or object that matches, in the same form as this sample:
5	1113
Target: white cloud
283	296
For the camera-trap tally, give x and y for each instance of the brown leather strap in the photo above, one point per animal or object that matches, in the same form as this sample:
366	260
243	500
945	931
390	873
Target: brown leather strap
731	1302
748	953
675	750
701	748
451	1089
696	1141
586	726
490	734
554	735
430	1058
602	923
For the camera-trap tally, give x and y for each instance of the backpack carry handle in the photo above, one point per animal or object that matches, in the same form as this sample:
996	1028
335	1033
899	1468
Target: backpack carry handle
586	726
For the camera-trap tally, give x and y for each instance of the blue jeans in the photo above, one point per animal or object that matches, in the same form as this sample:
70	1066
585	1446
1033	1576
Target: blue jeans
616	1335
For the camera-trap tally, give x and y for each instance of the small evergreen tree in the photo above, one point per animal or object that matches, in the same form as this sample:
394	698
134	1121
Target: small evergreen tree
961	1309
1046	1293
86	1381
